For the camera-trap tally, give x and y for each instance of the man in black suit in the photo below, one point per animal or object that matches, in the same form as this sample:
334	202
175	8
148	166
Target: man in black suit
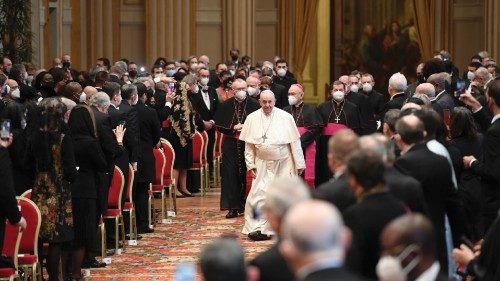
411	240
405	188
129	99
281	68
362	101
397	87
149	138
375	208
489	167
115	75
336	190
443	100
314	242
434	174
206	102
376	101
282	195
279	91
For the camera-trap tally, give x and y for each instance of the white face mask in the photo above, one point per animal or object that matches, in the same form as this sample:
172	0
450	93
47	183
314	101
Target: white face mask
232	72
281	72
204	81
389	268
194	66
292	100
338	96
241	95
136	99
196	89
367	87
470	75
29	79
354	88
253	91
83	98
16	94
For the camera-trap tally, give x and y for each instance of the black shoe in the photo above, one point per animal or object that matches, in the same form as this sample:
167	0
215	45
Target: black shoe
258	236
94	264
232	214
145	230
242	211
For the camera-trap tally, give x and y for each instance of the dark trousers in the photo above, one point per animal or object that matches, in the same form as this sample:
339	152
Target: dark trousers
141	204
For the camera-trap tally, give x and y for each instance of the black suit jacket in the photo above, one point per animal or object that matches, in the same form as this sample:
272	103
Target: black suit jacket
280	94
442	102
336	192
366	220
396	102
149	137
376	101
489	170
199	104
407	189
434	174
272	265
132	125
286	81
332	274
363	103
116	79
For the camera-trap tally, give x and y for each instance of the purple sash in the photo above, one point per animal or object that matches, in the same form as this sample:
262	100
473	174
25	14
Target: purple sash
310	155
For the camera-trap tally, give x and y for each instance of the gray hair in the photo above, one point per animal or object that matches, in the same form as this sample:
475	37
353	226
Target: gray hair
223	260
68	103
482	72
94	70
268	92
100	99
426	89
380	145
439	80
128	91
121	64
142	79
316	234
190	79
398	82
285	192
423	97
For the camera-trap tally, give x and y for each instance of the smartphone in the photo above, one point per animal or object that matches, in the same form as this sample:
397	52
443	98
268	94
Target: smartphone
123	122
5	130
185	271
171	87
460	88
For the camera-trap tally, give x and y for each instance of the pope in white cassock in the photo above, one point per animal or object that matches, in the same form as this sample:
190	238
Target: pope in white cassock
272	149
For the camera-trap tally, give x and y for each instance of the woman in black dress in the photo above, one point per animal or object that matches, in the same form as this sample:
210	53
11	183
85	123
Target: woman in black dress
50	155
467	140
184	121
90	160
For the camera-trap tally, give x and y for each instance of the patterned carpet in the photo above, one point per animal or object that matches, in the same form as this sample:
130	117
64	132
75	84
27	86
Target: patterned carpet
198	222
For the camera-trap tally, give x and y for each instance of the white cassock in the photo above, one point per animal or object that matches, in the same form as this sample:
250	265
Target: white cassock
272	147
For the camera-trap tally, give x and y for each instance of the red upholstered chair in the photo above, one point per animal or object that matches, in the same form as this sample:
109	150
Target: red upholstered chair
11	241
114	212
204	158
102	232
129	207
168	180
26	194
157	186
28	257
219	139
197	157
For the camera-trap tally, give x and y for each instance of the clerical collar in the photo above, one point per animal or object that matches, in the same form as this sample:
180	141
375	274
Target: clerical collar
299	104
437	96
397	94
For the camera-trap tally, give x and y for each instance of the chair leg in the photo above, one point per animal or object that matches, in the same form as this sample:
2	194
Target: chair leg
150	206
102	229
202	185
163	214
117	233
134	221
121	222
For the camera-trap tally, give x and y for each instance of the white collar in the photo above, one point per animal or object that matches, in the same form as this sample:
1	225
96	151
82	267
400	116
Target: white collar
437	96
430	274
495	118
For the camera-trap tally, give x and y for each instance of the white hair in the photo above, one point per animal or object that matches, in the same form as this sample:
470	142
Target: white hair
68	103
283	193
398	82
100	99
268	92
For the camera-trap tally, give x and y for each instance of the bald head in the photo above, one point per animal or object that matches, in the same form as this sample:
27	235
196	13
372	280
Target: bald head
89	92
342	144
426	89
410	129
313	234
413	233
344	79
439	80
239	84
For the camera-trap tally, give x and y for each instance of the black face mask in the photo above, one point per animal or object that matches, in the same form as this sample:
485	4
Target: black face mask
262	88
66	64
226	83
234	57
132	74
49	85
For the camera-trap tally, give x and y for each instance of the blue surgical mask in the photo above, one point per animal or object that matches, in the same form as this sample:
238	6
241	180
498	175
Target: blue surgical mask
170	72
